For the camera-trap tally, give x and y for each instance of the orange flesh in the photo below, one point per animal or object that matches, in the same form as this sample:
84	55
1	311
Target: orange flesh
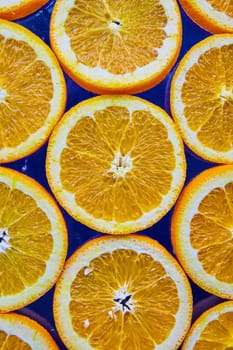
154	302
208	96
145	157
30	242
225	6
26	83
12	342
99	30
211	233
218	334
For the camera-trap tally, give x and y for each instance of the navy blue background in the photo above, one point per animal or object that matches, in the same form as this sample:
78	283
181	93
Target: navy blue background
35	164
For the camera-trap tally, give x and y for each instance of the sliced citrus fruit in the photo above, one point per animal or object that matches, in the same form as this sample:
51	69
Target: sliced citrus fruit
116	46
202	98
33	240
122	292
213	330
216	16
32	91
15	9
116	163
19	332
202	227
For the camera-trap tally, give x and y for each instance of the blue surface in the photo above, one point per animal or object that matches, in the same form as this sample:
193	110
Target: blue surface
34	165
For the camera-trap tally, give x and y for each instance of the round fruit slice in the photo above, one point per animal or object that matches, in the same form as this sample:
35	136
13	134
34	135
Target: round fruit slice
212	330
15	9
33	240
19	332
32	91
116	46
116	163
121	293
213	15
202	98
202	227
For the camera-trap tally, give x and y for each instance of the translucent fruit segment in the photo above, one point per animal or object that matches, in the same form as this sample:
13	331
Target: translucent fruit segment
153	159
94	293
29	242
111	160
217	206
3	336
94	195
203	232
126	205
100	30
86	137
10	280
113	121
208	96
215	251
26	89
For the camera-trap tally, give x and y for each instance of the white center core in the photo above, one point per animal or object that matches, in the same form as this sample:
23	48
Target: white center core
2	95
226	94
123	300
115	26
4	240
121	165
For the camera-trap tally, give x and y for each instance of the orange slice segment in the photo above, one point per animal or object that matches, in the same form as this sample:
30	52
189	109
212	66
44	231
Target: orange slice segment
122	293
21	333
32	91
116	47
116	163
15	9
202	227
202	98
212	15
33	240
212	330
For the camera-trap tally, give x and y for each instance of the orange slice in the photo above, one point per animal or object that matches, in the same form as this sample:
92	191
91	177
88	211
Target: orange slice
216	16
116	163
212	330
202	227
33	240
122	293
116	46
202	98
18	332
32	91
15	9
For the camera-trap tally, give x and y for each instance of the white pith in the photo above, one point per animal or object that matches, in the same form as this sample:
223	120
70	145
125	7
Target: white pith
226	94
121	294
3	95
34	335
4	240
121	165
